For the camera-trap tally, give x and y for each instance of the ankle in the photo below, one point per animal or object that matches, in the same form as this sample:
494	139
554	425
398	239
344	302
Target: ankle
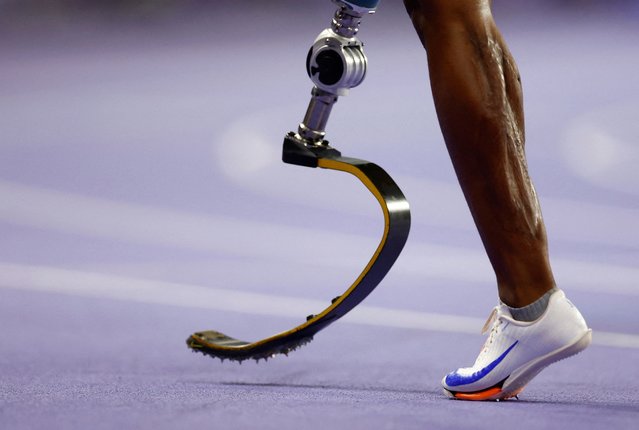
534	310
522	294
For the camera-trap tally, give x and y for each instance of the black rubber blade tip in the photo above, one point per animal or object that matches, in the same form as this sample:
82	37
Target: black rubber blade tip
219	345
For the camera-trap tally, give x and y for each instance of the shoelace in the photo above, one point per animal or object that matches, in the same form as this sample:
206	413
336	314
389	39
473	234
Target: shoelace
492	318
492	323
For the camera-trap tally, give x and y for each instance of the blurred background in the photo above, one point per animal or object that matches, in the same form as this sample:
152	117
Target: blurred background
142	198
182	104
142	138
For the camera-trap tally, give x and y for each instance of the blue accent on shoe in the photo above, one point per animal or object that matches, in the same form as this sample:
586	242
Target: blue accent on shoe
454	379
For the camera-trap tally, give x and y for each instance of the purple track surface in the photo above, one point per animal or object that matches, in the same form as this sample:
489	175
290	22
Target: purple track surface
142	199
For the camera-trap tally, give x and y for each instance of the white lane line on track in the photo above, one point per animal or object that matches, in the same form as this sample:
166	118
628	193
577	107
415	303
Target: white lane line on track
103	286
101	218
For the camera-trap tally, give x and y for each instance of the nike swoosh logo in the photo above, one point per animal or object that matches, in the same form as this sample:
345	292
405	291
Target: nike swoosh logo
454	379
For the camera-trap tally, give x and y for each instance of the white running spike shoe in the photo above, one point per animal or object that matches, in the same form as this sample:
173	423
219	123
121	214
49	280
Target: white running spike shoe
516	351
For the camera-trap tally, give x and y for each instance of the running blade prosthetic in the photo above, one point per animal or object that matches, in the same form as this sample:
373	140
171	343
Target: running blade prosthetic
335	63
396	227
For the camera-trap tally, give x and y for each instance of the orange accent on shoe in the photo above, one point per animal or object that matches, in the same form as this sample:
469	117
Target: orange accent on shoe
480	395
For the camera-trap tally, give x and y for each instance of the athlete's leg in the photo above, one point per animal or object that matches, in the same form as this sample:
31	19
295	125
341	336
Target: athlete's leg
478	98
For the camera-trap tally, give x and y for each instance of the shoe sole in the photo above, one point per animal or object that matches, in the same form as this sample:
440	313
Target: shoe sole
515	383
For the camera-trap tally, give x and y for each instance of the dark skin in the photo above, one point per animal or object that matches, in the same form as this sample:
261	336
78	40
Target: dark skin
478	97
